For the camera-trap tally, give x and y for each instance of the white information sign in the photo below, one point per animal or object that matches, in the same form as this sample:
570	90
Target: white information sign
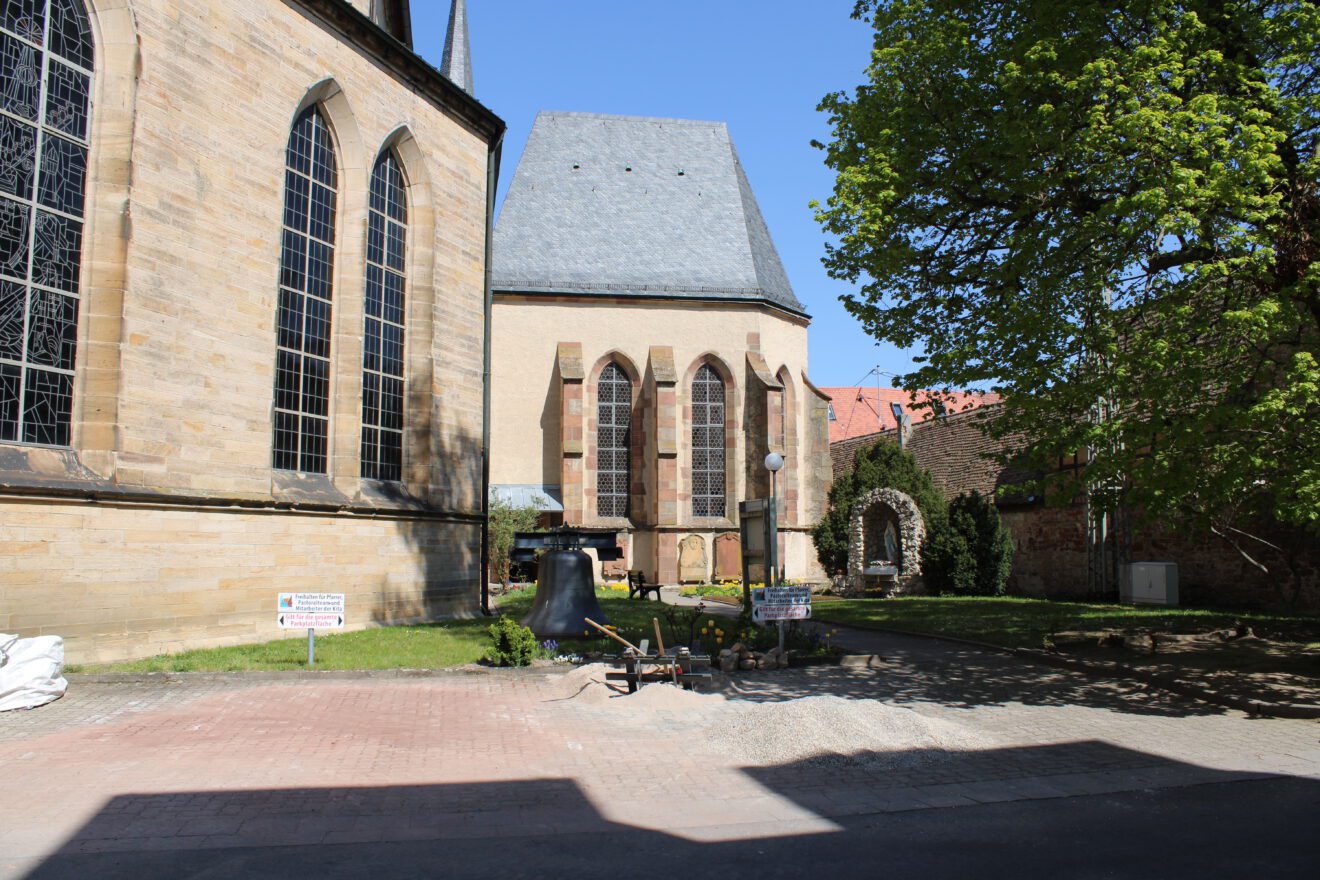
781	603
311	610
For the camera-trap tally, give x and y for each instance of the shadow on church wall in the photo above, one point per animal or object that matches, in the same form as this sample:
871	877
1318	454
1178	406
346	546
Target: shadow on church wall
440	576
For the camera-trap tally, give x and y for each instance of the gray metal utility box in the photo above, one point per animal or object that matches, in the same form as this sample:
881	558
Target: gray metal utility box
1149	583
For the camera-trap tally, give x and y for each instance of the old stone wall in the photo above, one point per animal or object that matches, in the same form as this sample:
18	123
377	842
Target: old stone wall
1051	544
1050	559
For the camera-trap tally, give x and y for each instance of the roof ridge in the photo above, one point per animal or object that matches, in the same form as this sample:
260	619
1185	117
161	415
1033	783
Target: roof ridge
623	117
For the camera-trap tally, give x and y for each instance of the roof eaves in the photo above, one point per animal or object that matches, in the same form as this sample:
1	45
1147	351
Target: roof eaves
404	64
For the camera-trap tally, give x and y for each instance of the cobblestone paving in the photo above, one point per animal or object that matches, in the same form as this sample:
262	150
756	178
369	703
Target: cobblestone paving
222	762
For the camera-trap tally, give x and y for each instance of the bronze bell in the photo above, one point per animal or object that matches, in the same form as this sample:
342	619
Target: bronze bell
566	589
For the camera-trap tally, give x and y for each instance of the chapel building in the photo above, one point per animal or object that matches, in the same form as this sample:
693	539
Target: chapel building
649	349
242	318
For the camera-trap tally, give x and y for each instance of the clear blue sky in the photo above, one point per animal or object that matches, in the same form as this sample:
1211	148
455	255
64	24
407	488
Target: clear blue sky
762	66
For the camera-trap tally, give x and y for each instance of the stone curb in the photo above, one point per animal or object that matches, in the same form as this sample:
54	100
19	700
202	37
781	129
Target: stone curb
1114	670
306	675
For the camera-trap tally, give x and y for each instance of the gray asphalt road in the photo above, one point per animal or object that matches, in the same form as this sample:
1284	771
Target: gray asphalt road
1255	829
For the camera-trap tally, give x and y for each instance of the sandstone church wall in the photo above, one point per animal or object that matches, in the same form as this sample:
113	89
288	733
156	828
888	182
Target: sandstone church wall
165	525
121	582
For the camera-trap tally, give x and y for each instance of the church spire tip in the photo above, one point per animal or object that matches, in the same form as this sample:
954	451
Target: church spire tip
457	63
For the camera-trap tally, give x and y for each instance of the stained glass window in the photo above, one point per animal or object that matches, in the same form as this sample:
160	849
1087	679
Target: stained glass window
46	59
707	443
383	337
613	441
302	368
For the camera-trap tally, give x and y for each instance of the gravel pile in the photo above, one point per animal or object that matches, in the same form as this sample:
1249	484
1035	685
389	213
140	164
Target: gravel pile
833	731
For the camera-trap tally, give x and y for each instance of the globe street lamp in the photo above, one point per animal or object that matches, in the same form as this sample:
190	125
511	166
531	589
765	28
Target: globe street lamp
774	463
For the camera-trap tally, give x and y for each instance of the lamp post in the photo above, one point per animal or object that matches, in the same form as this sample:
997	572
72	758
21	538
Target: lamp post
774	463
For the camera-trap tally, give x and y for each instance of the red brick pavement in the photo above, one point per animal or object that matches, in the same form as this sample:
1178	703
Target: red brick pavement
227	763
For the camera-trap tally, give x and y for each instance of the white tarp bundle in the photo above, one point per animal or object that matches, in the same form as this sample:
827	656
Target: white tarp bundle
30	671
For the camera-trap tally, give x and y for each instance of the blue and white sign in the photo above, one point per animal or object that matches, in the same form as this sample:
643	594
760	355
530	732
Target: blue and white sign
770	604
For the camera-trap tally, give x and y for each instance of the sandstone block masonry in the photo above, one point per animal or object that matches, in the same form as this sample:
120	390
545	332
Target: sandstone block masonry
164	525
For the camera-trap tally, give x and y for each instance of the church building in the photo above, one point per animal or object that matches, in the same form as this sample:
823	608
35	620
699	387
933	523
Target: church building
243	318
649	349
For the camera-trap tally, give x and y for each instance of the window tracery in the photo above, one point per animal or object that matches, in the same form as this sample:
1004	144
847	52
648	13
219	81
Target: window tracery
302	369
613	441
708	458
46	58
384	331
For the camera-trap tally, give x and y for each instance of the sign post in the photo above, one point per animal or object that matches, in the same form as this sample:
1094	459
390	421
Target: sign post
311	611
781	604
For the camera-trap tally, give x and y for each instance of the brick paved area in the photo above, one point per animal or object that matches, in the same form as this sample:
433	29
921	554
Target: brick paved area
221	763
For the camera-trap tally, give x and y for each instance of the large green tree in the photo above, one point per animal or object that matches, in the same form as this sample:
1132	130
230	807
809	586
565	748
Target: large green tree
1108	212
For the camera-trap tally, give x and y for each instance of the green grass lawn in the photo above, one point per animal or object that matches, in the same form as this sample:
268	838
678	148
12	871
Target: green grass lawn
1016	622
428	646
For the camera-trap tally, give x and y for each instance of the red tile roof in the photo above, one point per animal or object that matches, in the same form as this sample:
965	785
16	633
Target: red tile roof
862	411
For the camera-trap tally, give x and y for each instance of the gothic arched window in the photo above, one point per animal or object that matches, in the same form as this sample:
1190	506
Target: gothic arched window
383	337
302	370
46	56
613	441
707	443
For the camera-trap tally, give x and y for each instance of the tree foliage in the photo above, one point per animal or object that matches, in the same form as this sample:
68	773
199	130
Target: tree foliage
505	522
1101	209
882	466
972	554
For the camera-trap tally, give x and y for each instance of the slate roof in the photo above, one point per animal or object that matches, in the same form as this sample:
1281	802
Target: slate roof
456	63
859	411
635	206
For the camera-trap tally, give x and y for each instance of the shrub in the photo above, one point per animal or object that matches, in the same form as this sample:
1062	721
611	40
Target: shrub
505	522
512	644
970	553
882	466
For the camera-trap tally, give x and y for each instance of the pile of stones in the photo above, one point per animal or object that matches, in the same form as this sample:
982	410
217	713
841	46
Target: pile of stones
742	657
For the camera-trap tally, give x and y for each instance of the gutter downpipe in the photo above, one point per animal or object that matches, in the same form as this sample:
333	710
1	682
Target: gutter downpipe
492	183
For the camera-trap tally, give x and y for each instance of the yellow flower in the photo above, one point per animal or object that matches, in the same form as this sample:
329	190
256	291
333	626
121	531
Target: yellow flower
719	632
703	630
710	623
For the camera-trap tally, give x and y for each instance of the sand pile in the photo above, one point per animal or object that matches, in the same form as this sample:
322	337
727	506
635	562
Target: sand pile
816	731
829	730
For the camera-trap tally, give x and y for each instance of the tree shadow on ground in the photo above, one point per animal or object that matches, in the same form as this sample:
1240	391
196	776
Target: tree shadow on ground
911	672
1028	820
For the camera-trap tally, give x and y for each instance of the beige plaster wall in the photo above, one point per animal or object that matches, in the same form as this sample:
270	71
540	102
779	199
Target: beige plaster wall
523	419
525	426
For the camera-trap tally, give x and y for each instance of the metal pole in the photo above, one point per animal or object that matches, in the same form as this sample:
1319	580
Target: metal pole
772	574
772	577
311	647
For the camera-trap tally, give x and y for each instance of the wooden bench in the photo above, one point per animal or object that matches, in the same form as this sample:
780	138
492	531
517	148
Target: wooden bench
638	587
